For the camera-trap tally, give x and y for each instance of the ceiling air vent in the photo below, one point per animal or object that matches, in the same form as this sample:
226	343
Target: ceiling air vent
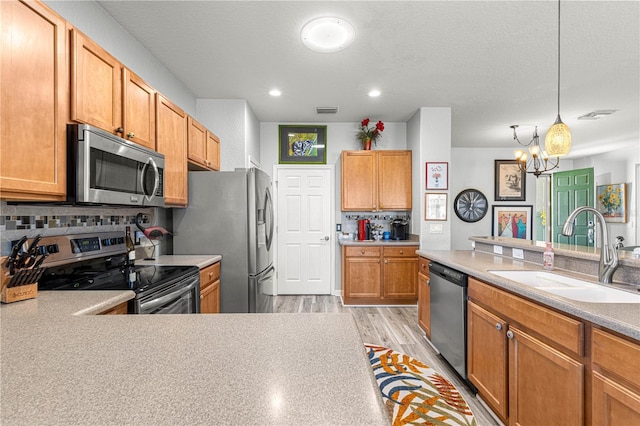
594	115
326	110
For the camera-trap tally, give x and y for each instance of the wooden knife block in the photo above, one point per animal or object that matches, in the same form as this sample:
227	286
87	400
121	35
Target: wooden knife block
14	294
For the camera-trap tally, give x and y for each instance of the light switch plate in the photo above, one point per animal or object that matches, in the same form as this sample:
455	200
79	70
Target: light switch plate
497	249
518	253
338	227
436	228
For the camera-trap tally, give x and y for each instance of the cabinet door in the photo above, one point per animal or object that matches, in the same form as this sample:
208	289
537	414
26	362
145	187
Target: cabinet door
362	277
213	151
613	404
139	110
400	278
197	143
171	140
546	387
424	304
487	357
359	183
210	299
96	85
394	180
34	99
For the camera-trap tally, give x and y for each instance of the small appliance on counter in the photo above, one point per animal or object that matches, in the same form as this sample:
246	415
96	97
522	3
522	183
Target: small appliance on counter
399	229
364	229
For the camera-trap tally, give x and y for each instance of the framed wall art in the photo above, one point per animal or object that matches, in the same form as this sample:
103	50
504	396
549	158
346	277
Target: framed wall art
510	181
435	206
437	176
300	144
612	202
512	221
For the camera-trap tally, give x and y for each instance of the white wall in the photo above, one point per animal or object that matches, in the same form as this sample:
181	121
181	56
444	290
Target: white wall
618	167
227	119
99	26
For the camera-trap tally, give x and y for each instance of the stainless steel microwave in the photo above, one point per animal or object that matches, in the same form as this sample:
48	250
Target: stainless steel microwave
106	169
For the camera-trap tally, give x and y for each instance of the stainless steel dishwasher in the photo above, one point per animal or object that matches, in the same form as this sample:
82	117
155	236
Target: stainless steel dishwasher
449	315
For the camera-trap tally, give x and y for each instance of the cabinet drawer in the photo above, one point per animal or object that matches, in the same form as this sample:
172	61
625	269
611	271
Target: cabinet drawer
616	355
564	331
423	266
404	251
363	251
209	274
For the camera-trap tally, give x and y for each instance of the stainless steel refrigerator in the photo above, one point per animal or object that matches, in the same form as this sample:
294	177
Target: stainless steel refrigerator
231	214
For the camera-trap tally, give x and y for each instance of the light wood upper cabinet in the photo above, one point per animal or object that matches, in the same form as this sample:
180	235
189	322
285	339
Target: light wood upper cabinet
394	180
213	151
139	110
376	180
96	85
34	98
171	140
197	143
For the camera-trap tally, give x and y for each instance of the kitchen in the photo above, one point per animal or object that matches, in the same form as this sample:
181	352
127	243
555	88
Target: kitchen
240	144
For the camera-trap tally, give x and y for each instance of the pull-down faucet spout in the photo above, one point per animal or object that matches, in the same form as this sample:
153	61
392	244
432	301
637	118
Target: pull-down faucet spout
608	255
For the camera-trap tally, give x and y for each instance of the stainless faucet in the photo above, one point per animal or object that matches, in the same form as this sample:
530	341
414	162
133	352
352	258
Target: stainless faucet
608	255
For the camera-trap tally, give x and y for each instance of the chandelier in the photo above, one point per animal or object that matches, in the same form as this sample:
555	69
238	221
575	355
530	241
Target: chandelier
557	142
537	159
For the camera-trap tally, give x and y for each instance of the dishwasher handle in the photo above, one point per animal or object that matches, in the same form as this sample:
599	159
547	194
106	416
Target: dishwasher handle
451	275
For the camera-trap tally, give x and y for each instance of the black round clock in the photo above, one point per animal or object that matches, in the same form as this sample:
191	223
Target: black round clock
470	205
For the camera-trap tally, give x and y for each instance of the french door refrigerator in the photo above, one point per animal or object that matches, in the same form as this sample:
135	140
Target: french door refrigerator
231	214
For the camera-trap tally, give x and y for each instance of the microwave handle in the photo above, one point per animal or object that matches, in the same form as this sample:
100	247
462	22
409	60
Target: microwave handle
156	180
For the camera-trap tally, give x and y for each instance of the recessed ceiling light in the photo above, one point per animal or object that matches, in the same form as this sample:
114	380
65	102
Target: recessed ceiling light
275	92
374	93
327	34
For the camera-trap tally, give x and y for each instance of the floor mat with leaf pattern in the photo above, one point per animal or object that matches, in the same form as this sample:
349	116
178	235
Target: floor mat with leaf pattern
414	393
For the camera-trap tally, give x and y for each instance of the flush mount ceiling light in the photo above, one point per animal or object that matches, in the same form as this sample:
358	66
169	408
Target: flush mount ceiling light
327	34
374	93
275	92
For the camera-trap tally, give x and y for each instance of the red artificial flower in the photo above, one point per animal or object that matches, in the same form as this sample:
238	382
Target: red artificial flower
370	133
380	126
364	123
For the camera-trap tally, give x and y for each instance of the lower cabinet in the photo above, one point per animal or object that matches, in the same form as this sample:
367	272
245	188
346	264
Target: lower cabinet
210	289
615	380
528	376
424	296
379	275
120	309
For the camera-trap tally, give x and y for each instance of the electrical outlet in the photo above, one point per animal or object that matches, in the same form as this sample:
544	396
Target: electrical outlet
137	236
338	227
497	249
518	253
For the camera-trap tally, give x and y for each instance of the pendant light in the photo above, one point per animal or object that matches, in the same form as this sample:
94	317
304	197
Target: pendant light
557	142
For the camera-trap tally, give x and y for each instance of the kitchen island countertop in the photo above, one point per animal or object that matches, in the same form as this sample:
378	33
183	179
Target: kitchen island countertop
62	366
621	317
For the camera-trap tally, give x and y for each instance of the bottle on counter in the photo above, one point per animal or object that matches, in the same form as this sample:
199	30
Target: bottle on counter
548	257
130	261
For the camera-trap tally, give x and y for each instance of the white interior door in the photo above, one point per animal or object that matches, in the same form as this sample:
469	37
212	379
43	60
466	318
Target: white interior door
303	231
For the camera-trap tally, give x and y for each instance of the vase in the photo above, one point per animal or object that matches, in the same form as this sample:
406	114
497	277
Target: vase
366	144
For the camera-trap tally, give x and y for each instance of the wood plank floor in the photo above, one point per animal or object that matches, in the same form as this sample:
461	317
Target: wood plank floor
393	327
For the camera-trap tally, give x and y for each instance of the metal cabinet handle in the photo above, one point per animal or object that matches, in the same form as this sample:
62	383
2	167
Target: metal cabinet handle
361	251
386	261
119	130
401	251
498	326
510	334
131	135
428	281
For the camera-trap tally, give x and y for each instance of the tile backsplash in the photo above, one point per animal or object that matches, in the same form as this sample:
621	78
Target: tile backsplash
48	220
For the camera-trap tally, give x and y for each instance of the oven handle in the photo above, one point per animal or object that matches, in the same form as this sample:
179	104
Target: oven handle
151	305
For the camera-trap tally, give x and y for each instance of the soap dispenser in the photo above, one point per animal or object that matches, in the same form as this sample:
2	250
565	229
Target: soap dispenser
547	257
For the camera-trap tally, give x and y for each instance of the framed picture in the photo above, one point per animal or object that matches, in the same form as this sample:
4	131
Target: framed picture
612	202
299	144
435	206
437	176
510	181
512	221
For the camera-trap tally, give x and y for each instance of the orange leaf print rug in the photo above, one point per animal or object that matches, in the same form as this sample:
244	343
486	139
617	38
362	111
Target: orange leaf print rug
414	393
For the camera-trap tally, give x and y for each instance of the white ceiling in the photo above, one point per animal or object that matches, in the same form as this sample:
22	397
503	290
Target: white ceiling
493	62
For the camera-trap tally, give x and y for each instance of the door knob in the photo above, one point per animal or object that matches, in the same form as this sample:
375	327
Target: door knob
325	238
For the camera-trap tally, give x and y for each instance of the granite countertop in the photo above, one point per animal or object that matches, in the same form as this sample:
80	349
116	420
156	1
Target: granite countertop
62	367
621	317
201	261
413	240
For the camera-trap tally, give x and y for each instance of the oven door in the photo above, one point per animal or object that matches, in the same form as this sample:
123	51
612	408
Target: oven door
180	297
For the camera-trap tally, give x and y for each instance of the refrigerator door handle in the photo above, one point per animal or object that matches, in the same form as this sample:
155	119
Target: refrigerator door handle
269	205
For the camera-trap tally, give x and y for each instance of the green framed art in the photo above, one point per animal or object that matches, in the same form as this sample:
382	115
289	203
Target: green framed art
302	144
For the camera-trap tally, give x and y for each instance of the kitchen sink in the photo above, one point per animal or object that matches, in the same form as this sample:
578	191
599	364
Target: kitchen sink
570	288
